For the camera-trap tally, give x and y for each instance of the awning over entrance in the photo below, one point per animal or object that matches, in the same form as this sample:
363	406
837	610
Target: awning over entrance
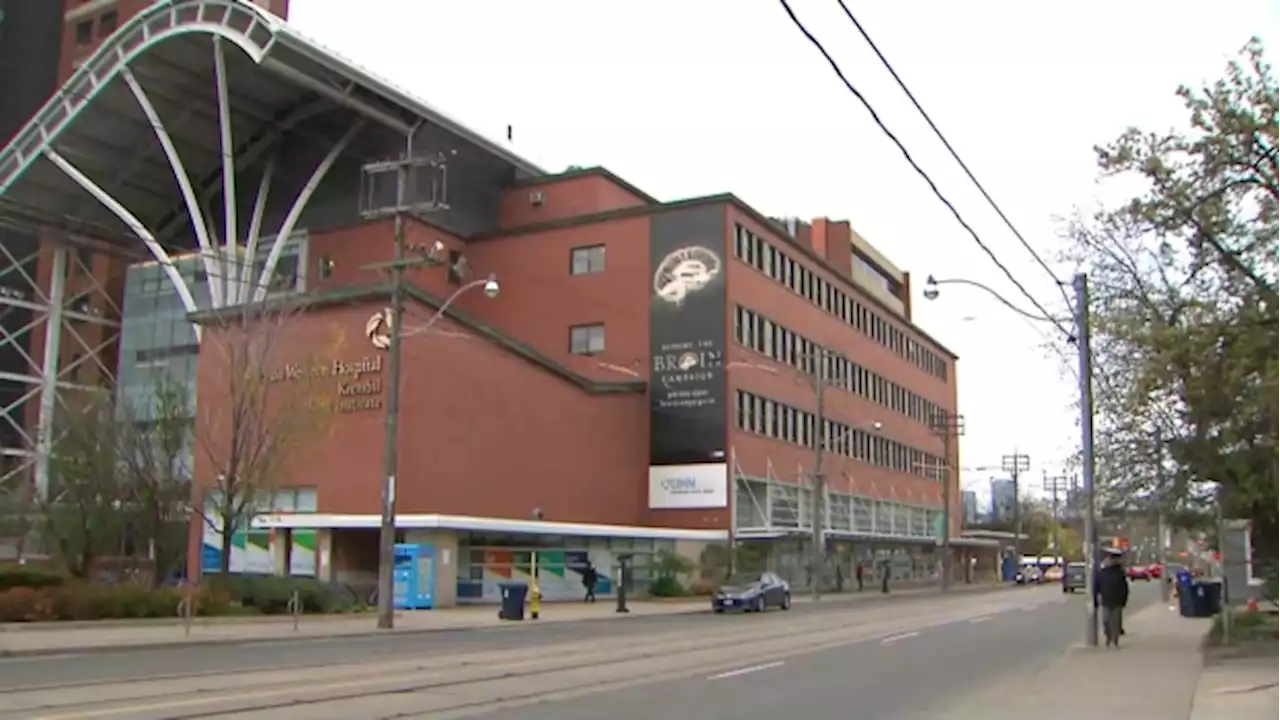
482	524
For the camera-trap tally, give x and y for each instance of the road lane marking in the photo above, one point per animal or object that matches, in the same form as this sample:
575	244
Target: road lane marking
746	670
895	638
975	621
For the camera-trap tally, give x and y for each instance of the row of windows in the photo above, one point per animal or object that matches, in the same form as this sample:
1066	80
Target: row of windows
782	268
779	421
756	332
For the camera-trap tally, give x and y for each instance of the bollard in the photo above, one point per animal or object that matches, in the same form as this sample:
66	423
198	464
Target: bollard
295	608
186	610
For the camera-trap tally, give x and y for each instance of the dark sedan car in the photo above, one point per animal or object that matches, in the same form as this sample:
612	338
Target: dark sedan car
752	592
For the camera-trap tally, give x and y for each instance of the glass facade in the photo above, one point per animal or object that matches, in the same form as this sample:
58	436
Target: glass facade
766	506
158	340
490	559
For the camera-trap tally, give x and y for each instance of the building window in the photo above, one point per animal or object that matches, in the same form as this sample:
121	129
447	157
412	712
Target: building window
84	33
107	23
586	339
587	260
456	266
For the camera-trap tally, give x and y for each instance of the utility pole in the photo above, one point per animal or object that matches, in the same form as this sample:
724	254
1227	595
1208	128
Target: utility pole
406	172
1053	485
1161	550
818	381
1015	465
947	425
1085	357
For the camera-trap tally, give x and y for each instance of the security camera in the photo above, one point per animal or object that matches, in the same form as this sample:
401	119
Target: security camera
930	288
537	513
491	287
437	249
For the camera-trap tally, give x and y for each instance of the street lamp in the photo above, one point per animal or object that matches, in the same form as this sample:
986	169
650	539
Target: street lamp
1080	338
421	257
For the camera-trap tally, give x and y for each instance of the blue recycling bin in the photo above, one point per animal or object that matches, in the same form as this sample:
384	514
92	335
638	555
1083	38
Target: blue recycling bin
513	595
1183	579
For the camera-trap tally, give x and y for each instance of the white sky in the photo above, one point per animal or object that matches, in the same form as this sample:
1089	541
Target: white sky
694	97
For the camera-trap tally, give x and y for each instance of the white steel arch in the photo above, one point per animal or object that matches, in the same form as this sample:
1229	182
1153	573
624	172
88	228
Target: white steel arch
228	267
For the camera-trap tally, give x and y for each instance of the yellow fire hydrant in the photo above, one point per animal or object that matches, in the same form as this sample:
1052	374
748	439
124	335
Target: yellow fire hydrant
535	601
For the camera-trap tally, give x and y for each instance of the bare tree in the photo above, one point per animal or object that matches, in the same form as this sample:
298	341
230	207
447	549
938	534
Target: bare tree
260	401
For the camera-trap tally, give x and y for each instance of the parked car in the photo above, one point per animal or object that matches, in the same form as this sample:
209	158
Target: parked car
1138	572
1073	578
1156	571
1029	575
752	592
1053	573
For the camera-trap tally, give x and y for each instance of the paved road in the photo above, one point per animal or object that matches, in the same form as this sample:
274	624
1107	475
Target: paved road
126	664
906	675
839	659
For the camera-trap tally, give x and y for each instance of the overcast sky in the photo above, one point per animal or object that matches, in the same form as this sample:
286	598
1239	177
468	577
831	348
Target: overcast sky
694	97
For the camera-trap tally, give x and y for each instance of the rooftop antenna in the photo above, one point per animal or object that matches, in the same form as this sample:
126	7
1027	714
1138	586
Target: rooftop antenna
510	134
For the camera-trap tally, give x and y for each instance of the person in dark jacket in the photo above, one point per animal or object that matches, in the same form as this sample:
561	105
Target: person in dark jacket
1111	593
589	580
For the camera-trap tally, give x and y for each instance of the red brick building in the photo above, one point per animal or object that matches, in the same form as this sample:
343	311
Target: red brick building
607	399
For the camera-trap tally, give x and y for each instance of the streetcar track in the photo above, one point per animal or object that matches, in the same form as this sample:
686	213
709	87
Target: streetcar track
874	602
777	632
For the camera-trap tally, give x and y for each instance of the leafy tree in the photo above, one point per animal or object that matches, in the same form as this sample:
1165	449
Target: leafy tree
1185	306
81	520
18	512
155	450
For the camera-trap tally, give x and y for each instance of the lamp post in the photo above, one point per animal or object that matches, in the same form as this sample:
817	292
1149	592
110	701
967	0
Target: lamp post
418	257
1084	358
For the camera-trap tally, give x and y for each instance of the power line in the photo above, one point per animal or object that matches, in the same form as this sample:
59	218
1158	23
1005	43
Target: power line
945	143
919	170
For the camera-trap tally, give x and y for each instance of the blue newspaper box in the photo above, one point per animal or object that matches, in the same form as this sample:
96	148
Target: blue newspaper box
414	577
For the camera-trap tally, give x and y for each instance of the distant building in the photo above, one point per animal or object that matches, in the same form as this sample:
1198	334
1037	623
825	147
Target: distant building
1003	498
969	501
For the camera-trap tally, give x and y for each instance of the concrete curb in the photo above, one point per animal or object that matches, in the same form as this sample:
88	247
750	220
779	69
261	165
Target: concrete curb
302	638
847	598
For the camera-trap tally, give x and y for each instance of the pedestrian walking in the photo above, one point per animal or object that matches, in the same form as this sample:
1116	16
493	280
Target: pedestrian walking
1111	594
858	571
589	580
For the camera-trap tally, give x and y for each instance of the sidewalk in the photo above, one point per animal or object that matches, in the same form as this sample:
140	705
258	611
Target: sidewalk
1152	676
21	639
1238	685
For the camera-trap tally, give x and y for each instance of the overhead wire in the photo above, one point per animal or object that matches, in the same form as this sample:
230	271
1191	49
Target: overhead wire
906	154
955	155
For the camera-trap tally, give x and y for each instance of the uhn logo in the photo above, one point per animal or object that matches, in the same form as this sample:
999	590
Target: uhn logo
680	484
